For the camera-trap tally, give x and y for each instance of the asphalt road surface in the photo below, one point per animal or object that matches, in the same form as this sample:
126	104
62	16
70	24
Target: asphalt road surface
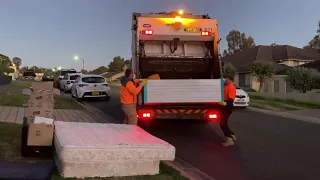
269	147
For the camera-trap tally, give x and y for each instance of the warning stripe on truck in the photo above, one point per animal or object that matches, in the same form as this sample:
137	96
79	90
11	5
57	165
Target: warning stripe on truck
185	111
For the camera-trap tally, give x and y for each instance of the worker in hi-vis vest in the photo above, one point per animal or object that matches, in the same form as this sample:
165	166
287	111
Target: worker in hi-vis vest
130	88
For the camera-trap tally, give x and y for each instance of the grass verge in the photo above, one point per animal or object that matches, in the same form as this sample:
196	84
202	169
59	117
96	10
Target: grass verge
19	84
17	99
10	151
287	101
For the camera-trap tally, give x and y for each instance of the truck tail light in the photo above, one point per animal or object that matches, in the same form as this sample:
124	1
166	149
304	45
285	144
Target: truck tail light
205	33
82	85
147	32
144	115
212	115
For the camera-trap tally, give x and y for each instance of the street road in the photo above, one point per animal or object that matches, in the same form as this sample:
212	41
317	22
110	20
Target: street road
269	147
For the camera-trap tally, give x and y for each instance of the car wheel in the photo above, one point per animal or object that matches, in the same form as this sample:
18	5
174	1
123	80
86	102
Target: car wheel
65	89
107	98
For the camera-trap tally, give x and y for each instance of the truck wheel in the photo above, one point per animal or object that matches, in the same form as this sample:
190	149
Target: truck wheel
149	127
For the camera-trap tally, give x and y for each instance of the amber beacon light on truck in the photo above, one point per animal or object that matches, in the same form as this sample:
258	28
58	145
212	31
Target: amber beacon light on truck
178	21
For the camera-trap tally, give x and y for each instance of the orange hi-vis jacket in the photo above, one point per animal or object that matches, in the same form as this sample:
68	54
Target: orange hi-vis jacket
129	91
229	91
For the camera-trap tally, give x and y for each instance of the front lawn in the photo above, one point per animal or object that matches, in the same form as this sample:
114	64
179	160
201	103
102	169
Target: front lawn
10	151
18	100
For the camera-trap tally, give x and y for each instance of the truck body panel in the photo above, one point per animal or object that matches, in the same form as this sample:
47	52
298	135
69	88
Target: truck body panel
180	91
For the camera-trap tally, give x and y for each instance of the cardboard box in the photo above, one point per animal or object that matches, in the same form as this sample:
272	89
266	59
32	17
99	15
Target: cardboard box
44	86
41	96
40	132
41	112
38	86
40	104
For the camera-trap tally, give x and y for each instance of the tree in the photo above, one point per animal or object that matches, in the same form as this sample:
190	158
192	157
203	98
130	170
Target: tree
117	64
16	61
83	71
99	70
238	41
302	79
229	70
314	44
225	53
128	63
262	72
5	61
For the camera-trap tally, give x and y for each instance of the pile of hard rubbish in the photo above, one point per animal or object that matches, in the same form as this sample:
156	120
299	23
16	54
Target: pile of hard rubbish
89	149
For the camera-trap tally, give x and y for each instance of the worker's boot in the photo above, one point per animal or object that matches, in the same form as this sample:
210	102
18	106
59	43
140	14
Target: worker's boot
234	138
228	142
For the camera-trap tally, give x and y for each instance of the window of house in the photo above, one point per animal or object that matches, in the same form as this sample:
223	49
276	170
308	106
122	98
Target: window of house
248	82
276	86
288	88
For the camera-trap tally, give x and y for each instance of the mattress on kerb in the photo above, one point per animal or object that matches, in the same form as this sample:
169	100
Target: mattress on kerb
108	142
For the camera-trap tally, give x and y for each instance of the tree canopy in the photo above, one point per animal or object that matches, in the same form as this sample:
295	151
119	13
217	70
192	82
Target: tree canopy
314	44
302	79
118	63
17	62
5	64
99	70
238	41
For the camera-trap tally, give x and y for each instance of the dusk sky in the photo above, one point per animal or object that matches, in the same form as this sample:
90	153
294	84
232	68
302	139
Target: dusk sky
49	33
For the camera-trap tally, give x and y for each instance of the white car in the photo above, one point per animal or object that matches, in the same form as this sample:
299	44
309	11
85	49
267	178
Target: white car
242	98
90	86
68	80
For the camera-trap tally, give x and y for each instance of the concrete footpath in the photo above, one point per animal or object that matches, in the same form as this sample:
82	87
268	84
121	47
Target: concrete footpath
15	115
307	115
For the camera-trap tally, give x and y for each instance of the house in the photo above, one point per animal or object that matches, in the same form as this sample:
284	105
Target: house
281	57
313	65
111	76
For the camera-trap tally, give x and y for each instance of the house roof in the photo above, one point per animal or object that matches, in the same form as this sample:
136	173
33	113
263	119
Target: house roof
243	59
108	74
314	65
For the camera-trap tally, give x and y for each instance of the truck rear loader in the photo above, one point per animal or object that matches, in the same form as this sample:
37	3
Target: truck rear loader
183	49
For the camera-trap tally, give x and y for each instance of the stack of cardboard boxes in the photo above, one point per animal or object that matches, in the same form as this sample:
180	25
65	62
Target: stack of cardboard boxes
38	128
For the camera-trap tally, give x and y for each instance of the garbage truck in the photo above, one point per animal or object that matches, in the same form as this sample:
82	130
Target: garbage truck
182	49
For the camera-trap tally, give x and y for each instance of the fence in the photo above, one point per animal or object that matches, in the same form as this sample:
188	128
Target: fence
4	80
311	97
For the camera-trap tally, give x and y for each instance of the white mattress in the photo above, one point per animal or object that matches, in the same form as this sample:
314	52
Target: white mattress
96	142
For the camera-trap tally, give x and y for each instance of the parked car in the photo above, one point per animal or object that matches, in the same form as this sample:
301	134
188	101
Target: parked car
68	80
29	74
48	76
242	98
90	86
60	74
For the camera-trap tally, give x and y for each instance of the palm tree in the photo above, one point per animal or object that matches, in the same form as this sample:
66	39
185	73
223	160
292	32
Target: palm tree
262	72
302	79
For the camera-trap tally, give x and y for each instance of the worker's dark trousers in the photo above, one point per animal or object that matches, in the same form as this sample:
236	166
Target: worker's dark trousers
224	121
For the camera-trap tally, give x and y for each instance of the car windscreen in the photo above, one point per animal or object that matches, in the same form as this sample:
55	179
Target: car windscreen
74	77
48	74
236	86
29	73
63	73
93	80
